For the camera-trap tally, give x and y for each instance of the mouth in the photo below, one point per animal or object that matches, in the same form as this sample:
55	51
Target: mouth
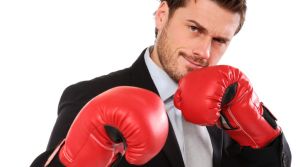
194	64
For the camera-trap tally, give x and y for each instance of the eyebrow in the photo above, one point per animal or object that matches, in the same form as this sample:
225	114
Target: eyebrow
204	30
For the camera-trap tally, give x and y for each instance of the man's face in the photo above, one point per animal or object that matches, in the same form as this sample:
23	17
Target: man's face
196	36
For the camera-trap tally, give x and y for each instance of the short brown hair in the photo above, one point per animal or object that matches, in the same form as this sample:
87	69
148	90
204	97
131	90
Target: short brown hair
235	6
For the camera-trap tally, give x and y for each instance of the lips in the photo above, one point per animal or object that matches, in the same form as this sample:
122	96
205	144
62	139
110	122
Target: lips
192	61
195	64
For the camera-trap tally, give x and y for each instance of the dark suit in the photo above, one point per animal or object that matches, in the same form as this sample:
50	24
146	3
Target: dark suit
225	151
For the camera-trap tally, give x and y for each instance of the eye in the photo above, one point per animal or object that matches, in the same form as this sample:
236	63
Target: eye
194	28
220	40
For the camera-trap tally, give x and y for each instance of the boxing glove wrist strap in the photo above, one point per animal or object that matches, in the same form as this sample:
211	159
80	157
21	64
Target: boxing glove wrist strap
54	154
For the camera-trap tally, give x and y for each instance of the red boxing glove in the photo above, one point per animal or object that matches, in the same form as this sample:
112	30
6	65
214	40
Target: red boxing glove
223	95
123	120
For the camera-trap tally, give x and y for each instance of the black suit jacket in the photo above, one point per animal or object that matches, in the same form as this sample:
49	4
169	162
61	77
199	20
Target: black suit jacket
226	152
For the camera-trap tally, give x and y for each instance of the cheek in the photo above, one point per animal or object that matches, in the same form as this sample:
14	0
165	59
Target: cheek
174	61
177	39
181	64
180	61
215	58
216	55
214	61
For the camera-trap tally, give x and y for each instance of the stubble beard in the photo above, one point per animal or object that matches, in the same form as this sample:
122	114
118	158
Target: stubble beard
167	57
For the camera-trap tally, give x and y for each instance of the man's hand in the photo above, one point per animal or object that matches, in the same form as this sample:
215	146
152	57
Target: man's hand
123	120
223	95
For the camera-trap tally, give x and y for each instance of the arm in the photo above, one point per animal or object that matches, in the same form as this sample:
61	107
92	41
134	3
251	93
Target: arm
276	154
119	122
70	104
223	95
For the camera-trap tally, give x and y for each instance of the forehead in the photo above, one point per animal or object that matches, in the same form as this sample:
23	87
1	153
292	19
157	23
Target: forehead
210	15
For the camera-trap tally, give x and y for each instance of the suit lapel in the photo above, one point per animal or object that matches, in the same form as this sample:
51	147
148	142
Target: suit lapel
140	77
216	137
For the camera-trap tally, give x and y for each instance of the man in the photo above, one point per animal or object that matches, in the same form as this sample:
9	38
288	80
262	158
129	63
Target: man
191	36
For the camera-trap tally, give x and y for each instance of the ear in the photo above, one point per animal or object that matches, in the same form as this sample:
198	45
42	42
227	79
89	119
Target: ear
161	15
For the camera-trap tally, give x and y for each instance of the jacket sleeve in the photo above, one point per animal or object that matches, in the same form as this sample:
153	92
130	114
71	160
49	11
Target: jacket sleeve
276	154
69	106
41	160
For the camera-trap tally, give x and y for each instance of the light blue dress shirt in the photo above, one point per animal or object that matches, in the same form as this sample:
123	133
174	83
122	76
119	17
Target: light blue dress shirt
194	141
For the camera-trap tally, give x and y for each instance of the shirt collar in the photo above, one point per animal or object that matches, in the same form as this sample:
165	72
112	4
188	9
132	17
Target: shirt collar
165	85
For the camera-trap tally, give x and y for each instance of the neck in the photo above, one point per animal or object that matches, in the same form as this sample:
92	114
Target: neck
154	55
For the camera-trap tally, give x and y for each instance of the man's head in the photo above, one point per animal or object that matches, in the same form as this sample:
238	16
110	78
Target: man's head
236	6
193	34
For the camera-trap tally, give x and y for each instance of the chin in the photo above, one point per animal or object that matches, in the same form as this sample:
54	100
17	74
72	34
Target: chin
181	75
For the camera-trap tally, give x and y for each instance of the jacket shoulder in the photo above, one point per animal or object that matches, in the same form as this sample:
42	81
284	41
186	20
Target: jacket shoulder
81	92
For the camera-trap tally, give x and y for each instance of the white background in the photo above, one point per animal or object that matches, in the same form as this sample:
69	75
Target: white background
47	45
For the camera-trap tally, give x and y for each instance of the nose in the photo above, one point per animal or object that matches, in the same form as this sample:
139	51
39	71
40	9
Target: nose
202	48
